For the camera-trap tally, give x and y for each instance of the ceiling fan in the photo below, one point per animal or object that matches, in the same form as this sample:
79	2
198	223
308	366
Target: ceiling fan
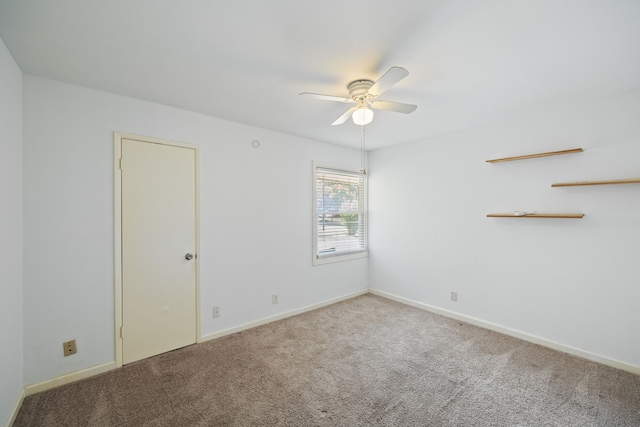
364	94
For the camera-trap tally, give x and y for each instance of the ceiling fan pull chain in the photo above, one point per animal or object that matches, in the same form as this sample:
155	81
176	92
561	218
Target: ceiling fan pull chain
363	152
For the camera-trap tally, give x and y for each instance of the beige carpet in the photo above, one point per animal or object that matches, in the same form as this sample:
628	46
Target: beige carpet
363	362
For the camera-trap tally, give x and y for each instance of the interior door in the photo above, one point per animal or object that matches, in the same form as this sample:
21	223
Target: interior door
158	248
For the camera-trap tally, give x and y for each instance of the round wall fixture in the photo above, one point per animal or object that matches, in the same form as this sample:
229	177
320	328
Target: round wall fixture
255	143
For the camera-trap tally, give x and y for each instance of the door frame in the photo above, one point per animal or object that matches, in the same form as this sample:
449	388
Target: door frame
117	235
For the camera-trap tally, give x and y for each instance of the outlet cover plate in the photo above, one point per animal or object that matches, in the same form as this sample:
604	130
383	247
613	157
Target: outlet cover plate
69	348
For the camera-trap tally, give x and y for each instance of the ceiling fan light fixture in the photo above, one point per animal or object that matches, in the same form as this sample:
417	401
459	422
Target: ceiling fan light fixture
362	116
364	94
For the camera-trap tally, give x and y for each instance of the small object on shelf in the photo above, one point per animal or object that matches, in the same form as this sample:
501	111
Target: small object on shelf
519	213
613	181
534	215
533	156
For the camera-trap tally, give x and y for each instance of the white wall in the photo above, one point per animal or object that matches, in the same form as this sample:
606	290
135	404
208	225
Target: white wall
255	220
10	232
570	281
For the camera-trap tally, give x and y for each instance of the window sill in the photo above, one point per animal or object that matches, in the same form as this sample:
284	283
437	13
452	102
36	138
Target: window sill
337	258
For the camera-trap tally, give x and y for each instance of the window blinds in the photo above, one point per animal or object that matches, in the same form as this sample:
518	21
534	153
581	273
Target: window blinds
340	212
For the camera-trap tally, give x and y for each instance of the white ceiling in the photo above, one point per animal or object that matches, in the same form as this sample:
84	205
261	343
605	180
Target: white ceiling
471	62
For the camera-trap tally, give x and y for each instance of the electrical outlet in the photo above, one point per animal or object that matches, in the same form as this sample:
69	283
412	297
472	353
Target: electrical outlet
69	348
274	298
454	296
216	311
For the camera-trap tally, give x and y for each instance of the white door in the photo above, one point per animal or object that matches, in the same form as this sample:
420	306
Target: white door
158	248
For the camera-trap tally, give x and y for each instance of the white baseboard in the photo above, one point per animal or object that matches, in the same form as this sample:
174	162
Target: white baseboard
16	408
68	378
514	333
280	316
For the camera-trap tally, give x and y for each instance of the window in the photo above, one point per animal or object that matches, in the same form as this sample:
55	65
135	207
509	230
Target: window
339	216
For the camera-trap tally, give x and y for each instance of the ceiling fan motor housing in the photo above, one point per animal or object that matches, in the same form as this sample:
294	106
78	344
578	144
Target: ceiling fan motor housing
359	89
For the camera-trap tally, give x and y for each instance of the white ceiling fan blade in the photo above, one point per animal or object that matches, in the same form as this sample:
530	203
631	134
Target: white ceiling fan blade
326	97
343	118
398	107
390	78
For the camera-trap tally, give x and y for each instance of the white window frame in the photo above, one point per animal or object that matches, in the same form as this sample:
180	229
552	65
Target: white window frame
347	256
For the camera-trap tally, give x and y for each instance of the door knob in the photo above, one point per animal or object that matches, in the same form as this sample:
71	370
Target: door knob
188	257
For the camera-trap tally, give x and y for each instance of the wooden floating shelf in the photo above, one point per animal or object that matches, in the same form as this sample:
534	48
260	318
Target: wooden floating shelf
613	181
533	156
536	215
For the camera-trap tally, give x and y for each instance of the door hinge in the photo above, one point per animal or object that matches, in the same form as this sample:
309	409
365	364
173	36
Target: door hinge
121	162
121	331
